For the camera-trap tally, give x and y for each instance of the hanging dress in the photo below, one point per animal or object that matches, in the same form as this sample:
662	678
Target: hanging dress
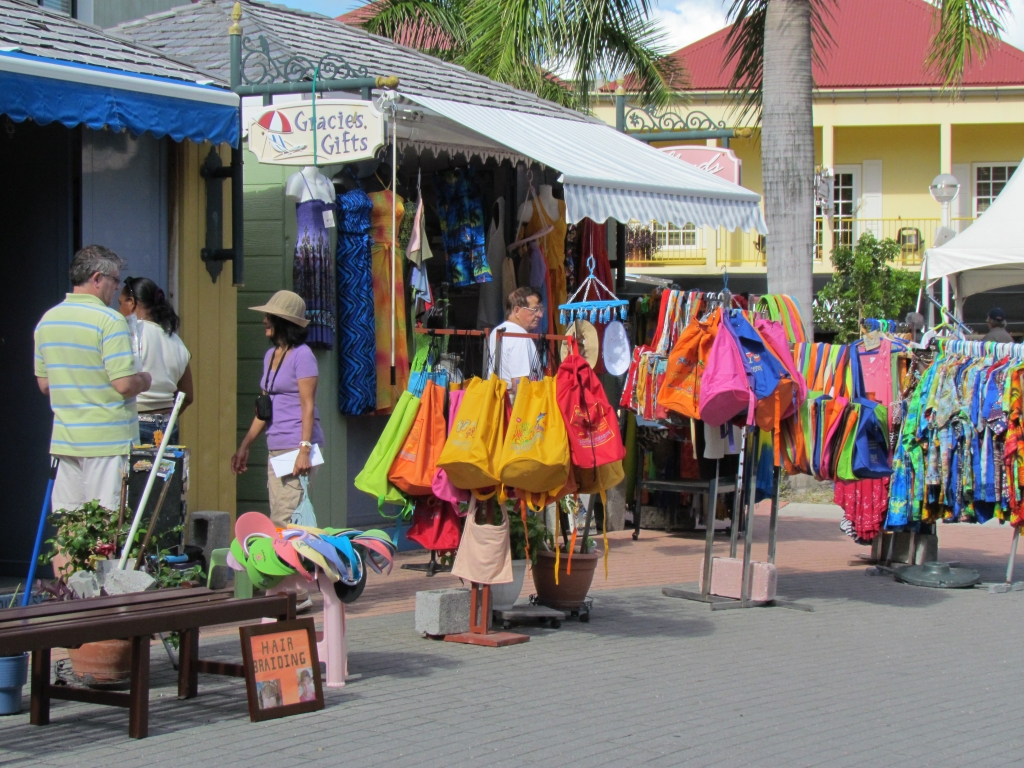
462	227
357	345
312	271
490	311
553	246
383	247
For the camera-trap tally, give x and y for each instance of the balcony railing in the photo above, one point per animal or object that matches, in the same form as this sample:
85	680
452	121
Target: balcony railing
721	248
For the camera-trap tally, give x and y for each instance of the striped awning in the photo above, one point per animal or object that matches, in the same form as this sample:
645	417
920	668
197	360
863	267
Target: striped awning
607	174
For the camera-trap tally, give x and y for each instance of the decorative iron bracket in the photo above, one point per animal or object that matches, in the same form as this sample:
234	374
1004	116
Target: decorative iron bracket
647	124
215	254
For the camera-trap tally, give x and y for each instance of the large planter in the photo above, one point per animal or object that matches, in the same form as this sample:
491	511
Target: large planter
13	676
571	590
105	663
504	596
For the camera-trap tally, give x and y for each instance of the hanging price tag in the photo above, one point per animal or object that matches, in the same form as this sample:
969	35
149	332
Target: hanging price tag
329	218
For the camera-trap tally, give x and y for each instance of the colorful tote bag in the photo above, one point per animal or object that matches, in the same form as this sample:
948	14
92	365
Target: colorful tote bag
471	454
725	393
413	469
535	455
680	391
373	479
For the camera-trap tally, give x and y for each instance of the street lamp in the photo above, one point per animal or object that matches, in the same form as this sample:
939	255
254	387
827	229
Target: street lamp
944	190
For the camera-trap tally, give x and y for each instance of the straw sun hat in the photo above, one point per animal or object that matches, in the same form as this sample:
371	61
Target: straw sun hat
286	305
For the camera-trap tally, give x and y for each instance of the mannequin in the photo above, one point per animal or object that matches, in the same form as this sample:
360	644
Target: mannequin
309	184
547	199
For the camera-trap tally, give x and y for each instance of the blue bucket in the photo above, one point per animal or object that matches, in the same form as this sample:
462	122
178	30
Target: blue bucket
13	676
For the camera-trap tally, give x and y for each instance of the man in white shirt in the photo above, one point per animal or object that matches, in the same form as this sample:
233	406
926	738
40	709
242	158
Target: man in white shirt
519	357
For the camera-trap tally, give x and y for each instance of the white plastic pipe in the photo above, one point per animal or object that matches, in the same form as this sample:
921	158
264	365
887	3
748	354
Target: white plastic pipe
150	481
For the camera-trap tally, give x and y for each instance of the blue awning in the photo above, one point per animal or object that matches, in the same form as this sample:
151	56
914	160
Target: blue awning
49	90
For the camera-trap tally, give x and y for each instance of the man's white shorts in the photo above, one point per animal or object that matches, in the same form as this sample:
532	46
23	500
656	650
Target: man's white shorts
85	478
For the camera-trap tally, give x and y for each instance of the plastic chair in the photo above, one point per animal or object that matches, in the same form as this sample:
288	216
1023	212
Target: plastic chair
243	586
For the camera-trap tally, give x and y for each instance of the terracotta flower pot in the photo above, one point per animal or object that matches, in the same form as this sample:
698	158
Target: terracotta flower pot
102	663
572	588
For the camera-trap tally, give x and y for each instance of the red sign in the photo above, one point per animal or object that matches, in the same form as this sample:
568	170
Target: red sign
717	161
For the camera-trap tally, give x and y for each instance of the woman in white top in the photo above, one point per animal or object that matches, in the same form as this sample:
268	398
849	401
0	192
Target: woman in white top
163	355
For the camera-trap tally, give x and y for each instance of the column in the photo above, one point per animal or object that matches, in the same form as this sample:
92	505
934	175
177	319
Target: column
946	148
827	161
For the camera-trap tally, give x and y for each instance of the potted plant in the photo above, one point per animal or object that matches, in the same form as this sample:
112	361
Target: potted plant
568	590
529	538
86	538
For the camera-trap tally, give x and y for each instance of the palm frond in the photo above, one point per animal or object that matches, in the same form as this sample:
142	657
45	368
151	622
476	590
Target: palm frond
966	30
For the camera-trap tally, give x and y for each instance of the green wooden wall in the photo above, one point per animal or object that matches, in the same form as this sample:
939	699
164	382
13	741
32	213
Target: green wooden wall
269	245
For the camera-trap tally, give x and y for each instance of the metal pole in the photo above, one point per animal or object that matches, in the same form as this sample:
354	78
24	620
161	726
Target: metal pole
773	522
709	538
1013	556
620	255
748	539
150	481
54	462
620	109
737	502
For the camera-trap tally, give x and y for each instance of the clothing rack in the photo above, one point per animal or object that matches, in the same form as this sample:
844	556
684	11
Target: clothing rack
744	487
976	348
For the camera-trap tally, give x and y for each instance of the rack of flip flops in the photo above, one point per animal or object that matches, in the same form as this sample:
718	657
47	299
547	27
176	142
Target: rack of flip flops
337	559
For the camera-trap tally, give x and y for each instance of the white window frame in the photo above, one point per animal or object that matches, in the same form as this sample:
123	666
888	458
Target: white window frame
662	230
974	179
858	203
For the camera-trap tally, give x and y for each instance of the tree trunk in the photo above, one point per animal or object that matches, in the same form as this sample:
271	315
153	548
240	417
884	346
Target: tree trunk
787	151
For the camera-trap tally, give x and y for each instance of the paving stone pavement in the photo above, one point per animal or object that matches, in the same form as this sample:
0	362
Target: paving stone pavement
878	674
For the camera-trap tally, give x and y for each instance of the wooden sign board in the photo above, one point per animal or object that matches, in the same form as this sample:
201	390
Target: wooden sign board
347	130
282	671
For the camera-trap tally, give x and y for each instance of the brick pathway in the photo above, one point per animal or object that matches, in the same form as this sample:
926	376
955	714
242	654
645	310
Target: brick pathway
879	674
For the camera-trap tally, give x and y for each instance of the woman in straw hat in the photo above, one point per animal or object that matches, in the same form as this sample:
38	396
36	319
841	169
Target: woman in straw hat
289	378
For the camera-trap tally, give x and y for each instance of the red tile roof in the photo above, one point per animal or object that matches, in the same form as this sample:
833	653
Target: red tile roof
876	44
410	36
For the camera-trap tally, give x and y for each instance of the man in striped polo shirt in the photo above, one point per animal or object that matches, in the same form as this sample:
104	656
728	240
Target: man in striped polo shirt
84	362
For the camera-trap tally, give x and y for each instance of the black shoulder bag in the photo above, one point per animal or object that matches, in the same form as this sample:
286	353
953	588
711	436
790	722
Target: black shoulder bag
264	403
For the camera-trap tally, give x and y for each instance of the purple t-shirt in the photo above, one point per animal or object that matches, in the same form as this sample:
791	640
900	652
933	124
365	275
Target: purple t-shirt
284	433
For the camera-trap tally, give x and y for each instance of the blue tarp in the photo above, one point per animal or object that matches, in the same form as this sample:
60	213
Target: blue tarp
46	99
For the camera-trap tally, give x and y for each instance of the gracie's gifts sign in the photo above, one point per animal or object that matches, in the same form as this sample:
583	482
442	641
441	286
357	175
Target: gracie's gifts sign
282	671
346	130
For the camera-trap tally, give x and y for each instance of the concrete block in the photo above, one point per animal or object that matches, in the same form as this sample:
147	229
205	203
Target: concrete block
616	512
926	547
442	611
84	584
127	582
727	578
209	531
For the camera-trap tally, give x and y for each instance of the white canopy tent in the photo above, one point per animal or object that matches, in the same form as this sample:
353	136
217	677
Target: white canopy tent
988	254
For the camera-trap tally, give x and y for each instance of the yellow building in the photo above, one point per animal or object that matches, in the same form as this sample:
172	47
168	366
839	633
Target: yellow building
882	125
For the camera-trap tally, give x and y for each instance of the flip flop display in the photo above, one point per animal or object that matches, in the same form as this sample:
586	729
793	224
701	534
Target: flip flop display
268	554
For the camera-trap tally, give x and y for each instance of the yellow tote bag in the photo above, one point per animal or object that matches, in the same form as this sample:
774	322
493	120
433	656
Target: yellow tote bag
471	452
535	456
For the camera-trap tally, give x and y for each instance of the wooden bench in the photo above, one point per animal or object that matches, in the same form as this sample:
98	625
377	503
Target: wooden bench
38	628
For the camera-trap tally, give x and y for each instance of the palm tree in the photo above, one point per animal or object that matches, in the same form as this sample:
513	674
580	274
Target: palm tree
523	42
773	42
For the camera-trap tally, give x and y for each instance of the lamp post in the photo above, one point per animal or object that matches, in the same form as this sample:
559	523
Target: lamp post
944	190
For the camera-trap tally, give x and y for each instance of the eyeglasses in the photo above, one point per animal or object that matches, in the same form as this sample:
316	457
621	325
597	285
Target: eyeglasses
536	310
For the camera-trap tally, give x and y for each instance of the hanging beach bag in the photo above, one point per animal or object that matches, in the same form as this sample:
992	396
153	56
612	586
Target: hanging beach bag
470	455
485	552
303	514
441	486
435	526
592	428
680	391
413	469
535	455
373	479
871	442
724	392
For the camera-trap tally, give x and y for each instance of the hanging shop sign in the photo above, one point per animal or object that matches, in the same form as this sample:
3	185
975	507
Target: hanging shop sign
282	671
346	130
717	161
